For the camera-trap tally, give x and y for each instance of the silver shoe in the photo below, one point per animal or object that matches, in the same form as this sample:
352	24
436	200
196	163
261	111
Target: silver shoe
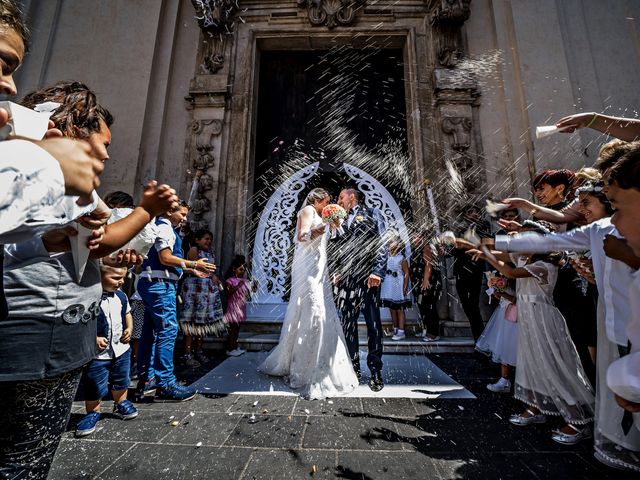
568	439
521	421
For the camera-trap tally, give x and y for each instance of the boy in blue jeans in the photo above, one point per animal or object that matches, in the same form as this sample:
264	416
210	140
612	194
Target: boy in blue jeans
112	364
157	288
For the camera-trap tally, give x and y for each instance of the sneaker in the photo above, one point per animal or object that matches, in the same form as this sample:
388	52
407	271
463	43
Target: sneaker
571	439
428	338
520	420
501	386
176	393
399	335
236	352
125	410
87	425
146	389
189	360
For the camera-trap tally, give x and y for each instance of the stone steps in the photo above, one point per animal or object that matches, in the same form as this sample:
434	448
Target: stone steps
252	341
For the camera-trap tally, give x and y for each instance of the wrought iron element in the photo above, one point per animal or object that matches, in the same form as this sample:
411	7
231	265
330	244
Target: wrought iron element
216	17
459	128
331	12
451	12
274	239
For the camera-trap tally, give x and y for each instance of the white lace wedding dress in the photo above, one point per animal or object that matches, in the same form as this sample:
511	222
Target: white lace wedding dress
311	354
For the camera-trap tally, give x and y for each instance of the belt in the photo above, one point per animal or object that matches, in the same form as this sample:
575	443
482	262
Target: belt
534	299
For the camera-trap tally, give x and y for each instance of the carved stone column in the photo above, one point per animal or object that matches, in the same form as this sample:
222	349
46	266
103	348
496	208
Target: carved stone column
458	167
456	97
208	100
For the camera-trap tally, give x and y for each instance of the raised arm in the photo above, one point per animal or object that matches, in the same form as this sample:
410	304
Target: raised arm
539	212
505	268
627	129
156	200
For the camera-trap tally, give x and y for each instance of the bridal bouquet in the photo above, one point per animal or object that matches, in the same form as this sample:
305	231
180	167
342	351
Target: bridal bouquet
334	214
496	283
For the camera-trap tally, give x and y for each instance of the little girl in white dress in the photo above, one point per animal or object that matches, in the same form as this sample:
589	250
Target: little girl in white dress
394	291
500	339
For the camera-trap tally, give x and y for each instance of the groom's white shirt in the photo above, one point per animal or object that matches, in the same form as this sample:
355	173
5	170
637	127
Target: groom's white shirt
352	215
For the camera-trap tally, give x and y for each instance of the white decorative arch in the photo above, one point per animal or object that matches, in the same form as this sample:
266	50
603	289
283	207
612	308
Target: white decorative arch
272	243
273	239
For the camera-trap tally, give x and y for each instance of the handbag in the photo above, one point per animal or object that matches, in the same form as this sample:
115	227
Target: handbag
511	313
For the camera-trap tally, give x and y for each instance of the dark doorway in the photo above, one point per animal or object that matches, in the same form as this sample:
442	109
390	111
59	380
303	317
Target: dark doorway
317	105
302	94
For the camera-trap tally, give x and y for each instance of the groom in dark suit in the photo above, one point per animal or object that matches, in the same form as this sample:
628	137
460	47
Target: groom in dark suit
359	258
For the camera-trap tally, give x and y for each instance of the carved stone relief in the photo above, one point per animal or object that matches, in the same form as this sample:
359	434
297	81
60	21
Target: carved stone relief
459	129
331	12
203	135
454	12
217	19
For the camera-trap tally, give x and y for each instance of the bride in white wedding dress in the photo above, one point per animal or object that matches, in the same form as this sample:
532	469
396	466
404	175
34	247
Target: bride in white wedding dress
312	354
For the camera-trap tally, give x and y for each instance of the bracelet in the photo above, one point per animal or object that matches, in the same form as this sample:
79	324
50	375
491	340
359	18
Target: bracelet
533	212
595	115
193	264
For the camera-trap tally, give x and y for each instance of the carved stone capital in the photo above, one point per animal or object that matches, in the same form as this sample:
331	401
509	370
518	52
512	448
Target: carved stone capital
459	129
450	12
331	12
216	17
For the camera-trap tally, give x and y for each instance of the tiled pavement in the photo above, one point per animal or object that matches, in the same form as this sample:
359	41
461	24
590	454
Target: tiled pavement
269	437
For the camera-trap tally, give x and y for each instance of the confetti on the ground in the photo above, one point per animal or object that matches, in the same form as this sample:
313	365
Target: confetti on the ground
192	414
175	423
330	402
460	407
306	410
199	444
255	403
497	415
314	469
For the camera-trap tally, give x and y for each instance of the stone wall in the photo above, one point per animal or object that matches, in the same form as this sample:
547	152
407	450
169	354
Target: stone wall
144	58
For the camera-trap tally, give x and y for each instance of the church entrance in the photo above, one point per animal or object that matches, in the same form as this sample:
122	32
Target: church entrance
330	118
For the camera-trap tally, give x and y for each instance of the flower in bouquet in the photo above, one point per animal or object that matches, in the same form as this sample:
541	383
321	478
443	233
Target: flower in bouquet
333	214
496	283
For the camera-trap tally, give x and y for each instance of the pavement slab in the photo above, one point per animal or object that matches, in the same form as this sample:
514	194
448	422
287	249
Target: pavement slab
255	436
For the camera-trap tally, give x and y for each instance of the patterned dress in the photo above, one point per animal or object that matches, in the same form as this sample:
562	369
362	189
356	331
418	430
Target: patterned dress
201	306
237	302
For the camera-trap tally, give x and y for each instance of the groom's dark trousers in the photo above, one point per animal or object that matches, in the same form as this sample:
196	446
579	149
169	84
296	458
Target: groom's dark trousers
368	302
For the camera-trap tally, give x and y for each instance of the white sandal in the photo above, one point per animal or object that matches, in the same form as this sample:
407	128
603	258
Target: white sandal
521	421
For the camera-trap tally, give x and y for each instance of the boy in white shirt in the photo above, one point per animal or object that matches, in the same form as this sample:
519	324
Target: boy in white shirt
112	365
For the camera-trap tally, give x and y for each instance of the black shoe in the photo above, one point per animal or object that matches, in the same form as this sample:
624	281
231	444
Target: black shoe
376	384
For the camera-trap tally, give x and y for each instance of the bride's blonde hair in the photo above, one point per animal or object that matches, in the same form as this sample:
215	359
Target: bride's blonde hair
315	195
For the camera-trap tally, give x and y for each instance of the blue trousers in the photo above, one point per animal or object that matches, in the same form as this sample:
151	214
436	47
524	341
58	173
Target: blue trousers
159	331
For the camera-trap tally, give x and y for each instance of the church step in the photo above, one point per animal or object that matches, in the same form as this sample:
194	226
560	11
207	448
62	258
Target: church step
252	341
412	327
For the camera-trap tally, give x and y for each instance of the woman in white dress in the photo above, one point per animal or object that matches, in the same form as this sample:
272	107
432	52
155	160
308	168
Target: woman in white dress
312	354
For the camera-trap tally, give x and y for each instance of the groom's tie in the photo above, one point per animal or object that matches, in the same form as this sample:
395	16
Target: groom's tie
351	217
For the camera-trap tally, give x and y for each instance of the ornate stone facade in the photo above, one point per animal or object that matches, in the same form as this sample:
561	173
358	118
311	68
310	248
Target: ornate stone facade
331	13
